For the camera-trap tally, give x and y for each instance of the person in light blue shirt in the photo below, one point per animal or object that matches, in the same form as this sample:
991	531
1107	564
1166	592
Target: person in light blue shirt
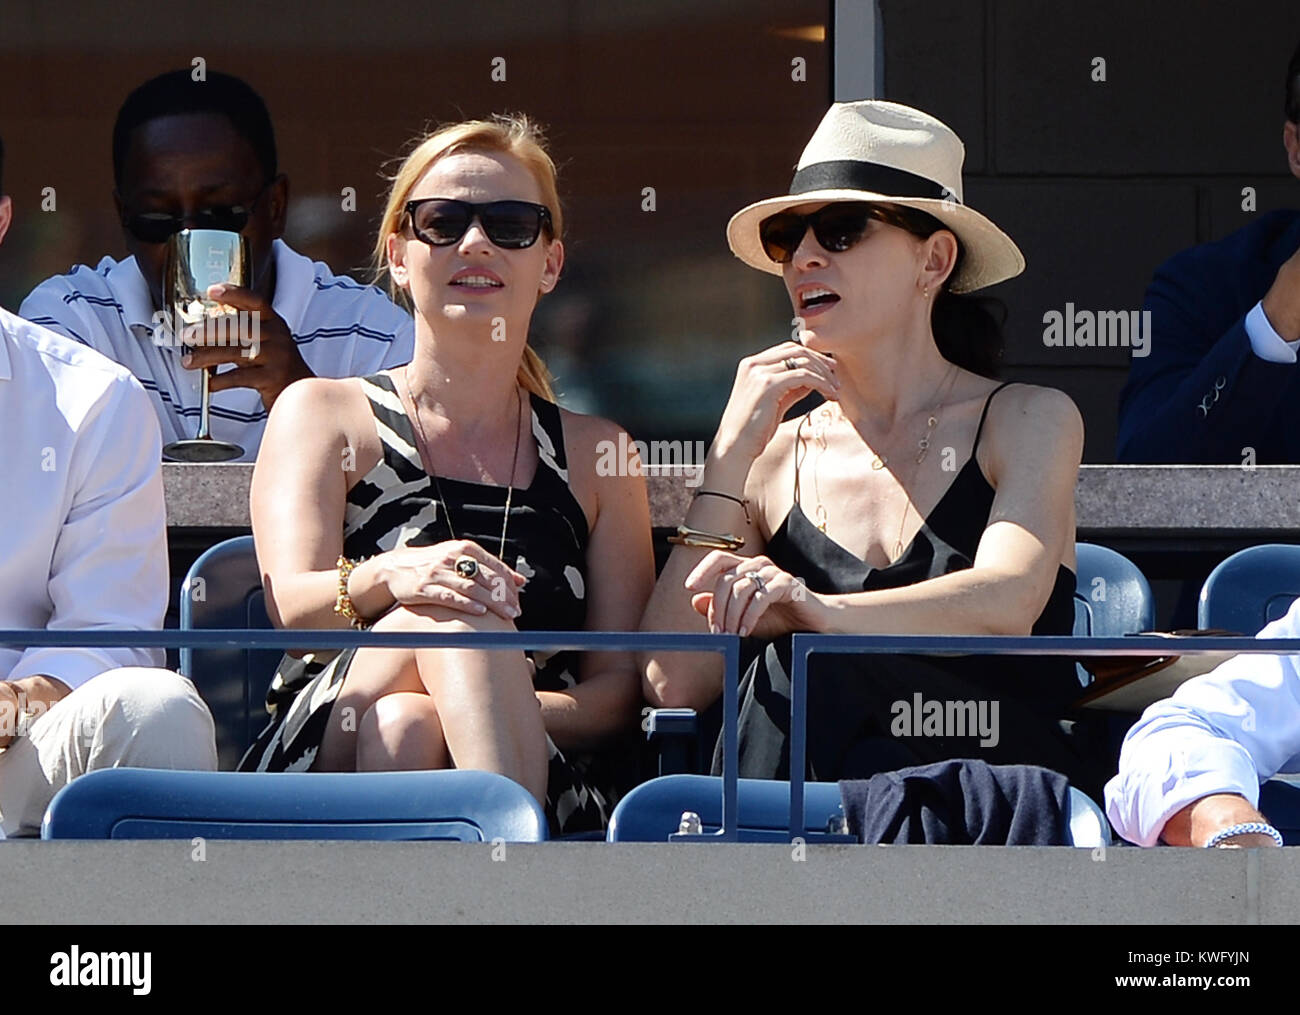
1191	767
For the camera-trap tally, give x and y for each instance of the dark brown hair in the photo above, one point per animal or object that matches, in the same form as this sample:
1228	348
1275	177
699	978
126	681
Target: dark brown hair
967	328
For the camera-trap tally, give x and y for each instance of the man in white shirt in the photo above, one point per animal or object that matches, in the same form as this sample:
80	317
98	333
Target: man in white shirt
1190	769
201	154
82	546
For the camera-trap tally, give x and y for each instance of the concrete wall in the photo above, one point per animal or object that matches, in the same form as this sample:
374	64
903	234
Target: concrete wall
359	883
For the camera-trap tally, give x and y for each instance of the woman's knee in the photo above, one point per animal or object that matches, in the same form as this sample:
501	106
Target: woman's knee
428	616
403	726
401	715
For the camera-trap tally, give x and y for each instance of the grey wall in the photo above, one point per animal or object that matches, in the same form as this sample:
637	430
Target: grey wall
571	882
1100	181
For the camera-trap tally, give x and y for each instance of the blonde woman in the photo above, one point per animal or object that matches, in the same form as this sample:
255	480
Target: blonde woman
454	495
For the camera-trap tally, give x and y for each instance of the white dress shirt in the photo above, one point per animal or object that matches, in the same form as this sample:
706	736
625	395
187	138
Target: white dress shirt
83	533
1265	342
341	328
1223	732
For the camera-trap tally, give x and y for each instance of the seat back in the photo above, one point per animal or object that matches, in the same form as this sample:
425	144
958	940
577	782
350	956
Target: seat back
652	812
1111	595
137	803
1112	598
1250	589
224	590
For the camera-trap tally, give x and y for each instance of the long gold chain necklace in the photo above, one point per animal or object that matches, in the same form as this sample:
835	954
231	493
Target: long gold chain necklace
510	487
924	449
879	461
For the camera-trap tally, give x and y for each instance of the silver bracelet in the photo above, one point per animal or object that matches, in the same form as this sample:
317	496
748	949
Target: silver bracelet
1245	828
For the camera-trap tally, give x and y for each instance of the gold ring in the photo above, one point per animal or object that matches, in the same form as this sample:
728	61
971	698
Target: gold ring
466	567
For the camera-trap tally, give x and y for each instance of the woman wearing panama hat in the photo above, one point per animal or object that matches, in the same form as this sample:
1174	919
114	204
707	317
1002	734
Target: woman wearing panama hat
920	496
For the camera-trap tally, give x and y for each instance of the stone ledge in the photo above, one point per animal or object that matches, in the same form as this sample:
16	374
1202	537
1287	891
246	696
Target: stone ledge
380	882
1109	498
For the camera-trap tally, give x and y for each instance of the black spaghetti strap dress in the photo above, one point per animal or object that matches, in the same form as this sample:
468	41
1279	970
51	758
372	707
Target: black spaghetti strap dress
396	505
866	713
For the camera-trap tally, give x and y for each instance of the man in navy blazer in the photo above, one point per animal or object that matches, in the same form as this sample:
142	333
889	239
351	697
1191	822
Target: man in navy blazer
1221	380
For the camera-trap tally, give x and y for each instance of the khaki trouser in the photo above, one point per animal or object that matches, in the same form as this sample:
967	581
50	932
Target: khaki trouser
132	717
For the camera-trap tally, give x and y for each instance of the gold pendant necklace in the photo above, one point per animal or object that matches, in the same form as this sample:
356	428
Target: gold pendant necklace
820	426
510	487
923	446
824	419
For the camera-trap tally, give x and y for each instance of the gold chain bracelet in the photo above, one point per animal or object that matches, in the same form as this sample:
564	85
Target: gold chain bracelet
343	602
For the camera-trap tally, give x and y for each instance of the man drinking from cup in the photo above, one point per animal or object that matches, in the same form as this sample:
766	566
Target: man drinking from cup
201	154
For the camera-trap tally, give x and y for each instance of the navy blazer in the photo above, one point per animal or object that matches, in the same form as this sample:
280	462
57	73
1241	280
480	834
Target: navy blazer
1202	395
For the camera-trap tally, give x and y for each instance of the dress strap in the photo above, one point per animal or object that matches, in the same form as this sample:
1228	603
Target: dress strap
548	431
393	426
983	415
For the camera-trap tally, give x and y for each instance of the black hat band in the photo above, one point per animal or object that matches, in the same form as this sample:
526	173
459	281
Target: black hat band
849	174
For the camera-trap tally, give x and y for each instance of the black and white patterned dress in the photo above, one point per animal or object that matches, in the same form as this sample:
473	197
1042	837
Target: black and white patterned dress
396	505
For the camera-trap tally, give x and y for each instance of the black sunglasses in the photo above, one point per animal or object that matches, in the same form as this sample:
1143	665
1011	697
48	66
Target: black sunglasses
514	225
836	226
159	226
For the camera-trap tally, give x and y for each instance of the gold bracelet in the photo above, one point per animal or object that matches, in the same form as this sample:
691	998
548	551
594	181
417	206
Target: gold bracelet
343	602
687	536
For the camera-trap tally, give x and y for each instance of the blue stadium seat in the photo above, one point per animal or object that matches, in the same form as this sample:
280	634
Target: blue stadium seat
137	803
1250	589
1111	595
654	812
1112	598
224	590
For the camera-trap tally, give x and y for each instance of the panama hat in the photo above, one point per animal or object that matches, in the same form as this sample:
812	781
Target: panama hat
882	151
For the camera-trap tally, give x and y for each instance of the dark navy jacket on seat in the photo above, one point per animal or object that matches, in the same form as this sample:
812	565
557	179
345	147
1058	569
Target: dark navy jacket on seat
1202	395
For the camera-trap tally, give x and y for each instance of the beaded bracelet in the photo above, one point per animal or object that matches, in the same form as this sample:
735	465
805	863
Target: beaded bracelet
343	602
1245	828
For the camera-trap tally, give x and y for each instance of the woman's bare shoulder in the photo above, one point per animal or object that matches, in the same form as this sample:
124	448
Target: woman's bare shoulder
599	451
1025	403
586	426
595	446
319	410
318	396
1029	422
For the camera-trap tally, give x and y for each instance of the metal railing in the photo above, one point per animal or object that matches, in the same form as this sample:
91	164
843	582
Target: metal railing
728	646
804	645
